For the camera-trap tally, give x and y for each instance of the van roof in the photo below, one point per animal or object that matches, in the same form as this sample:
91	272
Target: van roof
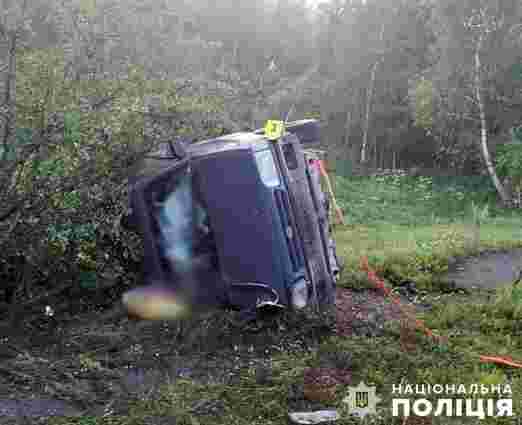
234	141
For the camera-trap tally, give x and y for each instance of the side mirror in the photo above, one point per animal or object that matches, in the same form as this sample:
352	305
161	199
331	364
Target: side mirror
178	148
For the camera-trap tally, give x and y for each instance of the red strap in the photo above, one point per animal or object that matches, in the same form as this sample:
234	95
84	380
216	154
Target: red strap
379	283
501	360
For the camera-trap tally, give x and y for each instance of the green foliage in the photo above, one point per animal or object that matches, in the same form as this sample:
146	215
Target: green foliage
409	226
517	133
88	7
71	232
78	155
88	420
87	279
67	201
23	136
496	318
412	200
341	167
516	295
41	89
72	127
51	168
517	71
480	214
509	161
62	159
424	104
83	236
39	77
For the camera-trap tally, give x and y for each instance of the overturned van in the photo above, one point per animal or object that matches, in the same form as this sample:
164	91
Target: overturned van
238	221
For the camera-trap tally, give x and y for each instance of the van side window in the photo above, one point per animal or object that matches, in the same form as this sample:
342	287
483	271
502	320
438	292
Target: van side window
267	168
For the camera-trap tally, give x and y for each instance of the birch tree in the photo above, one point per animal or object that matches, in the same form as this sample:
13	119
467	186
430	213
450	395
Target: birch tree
476	52
481	25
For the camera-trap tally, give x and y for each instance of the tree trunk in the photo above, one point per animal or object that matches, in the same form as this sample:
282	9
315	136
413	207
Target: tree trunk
369	100
375	153
347	130
483	129
236	53
9	92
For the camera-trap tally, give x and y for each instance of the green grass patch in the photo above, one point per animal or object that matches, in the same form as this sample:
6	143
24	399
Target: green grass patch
416	200
419	253
409	227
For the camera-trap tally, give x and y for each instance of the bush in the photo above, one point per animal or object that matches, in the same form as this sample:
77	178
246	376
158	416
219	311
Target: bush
509	162
73	184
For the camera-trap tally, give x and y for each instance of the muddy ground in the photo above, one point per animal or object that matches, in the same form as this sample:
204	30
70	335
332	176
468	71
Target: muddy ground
97	364
89	366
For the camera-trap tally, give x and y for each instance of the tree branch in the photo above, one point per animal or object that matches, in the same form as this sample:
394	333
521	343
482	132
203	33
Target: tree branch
11	211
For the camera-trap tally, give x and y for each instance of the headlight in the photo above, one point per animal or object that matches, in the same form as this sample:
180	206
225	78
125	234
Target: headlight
299	294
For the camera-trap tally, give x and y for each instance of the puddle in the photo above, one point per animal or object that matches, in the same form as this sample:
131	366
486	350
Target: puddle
487	270
36	408
137	382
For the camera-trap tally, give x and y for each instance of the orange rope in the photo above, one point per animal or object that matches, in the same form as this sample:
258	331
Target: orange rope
379	284
338	210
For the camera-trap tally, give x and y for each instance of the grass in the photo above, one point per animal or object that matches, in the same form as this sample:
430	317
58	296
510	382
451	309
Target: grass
416	200
408	228
420	253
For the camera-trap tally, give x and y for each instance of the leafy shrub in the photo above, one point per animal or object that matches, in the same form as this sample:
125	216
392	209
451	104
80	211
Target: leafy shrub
74	184
509	162
69	232
83	238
